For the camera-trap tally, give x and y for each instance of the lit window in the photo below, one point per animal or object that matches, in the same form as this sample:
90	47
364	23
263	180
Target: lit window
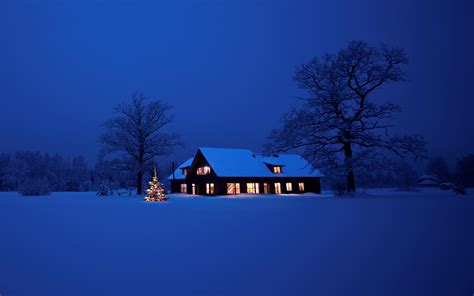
277	188
289	186
209	188
233	188
277	169
253	188
194	189
265	188
184	188
301	186
205	170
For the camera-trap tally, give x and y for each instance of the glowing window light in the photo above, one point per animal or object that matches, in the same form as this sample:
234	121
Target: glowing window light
253	188
233	188
209	188
205	170
301	186
277	188
289	186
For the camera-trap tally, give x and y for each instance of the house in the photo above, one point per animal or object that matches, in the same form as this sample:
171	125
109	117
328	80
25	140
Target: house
428	181
222	171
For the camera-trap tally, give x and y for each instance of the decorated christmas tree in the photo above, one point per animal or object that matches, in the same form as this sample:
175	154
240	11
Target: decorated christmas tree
156	192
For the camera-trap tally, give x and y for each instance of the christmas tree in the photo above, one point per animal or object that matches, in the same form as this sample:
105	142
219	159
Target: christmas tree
156	192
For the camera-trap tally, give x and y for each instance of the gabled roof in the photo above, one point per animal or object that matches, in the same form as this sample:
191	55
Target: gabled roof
227	162
178	173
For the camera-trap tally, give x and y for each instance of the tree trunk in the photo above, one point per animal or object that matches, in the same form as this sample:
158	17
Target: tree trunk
139	182
141	152
351	187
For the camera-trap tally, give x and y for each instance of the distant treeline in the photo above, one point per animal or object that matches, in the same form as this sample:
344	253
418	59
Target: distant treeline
40	173
33	173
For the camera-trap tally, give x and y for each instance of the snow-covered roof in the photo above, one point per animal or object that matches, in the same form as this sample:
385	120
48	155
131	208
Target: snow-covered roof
178	173
428	182
229	162
428	178
271	159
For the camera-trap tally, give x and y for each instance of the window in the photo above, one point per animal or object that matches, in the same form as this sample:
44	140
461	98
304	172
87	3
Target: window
194	189
277	169
301	186
289	186
233	188
205	170
265	188
185	171
253	188
209	188
184	188
277	188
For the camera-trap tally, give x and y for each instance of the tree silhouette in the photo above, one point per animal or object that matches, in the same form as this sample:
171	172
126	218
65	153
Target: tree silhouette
136	132
341	125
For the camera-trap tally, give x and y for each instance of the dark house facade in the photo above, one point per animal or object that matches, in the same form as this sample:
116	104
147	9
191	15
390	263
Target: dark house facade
224	171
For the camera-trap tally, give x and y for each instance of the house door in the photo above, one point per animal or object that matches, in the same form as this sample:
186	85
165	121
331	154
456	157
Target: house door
265	188
194	189
277	188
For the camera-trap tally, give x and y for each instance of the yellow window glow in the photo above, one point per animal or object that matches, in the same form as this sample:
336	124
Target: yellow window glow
301	186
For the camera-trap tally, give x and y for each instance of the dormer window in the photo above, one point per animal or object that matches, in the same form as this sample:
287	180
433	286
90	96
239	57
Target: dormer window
205	170
277	169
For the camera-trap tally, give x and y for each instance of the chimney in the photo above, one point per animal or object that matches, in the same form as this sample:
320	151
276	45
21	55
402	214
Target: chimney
172	165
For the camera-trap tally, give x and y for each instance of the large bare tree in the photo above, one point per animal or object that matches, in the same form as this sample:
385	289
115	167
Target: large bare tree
136	132
341	125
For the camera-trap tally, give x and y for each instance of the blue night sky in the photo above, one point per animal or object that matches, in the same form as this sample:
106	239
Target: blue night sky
225	65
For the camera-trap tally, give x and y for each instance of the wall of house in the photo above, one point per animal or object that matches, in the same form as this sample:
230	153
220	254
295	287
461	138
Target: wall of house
176	185
310	184
200	181
220	184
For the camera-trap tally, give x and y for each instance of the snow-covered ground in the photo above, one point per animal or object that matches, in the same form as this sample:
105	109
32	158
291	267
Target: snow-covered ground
383	242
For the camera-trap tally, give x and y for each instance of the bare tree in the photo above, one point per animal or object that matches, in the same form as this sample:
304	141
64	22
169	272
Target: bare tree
136	132
405	175
438	167
341	125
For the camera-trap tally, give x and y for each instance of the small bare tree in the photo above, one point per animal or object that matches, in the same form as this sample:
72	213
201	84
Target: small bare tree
438	167
405	176
341	125
136	133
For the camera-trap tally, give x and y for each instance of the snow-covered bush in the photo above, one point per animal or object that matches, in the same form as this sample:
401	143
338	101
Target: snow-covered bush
34	187
459	189
104	190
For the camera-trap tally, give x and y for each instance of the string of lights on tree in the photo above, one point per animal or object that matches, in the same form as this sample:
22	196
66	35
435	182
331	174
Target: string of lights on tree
156	191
